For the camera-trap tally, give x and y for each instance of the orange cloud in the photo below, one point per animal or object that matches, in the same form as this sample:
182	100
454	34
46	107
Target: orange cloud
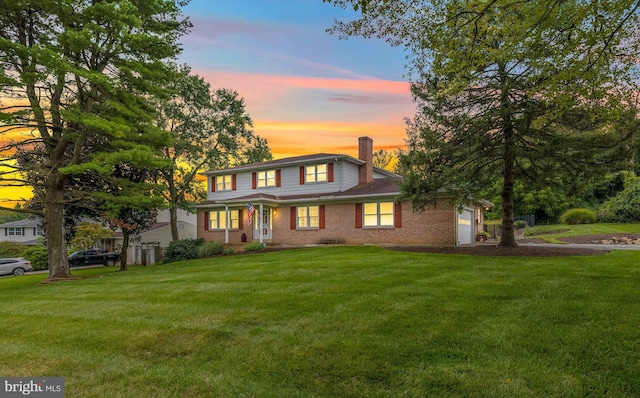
302	115
293	139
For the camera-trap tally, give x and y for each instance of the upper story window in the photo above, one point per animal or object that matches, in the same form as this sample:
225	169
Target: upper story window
266	178
378	214
224	183
316	173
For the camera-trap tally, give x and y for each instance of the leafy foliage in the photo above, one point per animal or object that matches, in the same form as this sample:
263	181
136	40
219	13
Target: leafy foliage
210	249
579	216
11	249
89	234
625	206
508	90
79	76
210	130
183	249
38	256
253	247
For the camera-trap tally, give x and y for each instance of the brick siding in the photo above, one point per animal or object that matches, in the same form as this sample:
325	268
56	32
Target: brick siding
435	225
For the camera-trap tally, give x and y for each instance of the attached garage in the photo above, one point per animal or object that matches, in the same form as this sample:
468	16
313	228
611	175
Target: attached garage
465	227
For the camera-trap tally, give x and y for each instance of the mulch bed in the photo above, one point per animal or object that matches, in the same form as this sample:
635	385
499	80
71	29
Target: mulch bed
495	250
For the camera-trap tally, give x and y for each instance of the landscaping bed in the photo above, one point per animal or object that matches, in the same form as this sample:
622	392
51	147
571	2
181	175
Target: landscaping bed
495	250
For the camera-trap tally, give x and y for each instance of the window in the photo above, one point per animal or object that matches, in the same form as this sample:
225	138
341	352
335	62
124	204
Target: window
266	178
39	231
224	183
309	217
316	173
13	231
378	214
218	219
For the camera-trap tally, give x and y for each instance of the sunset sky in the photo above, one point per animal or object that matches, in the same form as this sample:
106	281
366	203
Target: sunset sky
306	90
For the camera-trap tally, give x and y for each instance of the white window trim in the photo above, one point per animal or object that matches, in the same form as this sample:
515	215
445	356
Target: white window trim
315	174
307	217
378	215
228	219
263	180
222	184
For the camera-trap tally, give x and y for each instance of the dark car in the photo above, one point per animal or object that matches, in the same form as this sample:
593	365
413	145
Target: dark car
14	266
92	257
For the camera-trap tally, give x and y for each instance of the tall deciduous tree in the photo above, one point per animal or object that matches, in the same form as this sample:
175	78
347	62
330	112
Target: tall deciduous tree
508	89
77	75
209	130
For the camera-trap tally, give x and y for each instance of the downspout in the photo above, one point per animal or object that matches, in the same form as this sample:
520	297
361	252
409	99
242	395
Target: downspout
260	224
226	224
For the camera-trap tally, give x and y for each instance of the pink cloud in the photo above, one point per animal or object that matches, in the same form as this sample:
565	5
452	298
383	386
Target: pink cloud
303	115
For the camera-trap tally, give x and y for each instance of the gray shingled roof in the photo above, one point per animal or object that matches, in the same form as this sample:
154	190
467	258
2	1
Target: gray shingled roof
27	222
378	187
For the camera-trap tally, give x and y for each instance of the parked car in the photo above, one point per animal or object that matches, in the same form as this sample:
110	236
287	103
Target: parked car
16	266
93	256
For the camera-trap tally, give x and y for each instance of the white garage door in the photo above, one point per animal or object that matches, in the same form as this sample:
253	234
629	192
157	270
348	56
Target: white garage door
465	227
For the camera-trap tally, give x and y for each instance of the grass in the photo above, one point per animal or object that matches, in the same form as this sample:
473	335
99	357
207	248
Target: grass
333	322
551	233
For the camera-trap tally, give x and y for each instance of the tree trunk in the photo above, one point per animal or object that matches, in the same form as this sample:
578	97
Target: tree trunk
173	218
123	251
54	226
508	238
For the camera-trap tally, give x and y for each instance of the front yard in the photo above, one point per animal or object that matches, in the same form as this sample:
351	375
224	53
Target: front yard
333	322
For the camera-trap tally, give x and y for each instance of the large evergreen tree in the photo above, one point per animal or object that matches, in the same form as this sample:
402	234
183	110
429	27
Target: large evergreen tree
509	90
77	76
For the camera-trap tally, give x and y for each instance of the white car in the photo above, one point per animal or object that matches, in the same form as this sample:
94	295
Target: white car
14	266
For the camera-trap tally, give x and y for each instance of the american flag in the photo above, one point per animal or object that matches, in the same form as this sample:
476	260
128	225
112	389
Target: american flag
250	213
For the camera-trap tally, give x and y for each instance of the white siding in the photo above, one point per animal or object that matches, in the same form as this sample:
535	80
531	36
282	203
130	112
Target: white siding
28	234
345	176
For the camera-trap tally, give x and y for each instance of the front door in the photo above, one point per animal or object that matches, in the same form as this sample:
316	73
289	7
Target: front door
265	225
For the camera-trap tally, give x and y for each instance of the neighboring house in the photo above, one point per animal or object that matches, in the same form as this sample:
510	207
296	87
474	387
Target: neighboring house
25	231
159	235
325	198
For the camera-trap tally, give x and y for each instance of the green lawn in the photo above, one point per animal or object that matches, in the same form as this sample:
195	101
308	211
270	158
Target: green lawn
333	322
551	233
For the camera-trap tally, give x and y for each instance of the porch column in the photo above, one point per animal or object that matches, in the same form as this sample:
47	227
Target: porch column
226	224
260	223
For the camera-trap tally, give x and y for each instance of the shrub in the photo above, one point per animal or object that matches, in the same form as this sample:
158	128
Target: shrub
38	257
625	206
253	247
579	216
229	250
11	249
519	224
183	249
210	249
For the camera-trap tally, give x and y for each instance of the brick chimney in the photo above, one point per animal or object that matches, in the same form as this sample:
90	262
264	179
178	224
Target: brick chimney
365	152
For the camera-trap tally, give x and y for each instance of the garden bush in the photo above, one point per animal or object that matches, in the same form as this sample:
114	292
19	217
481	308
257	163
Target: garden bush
625	206
11	249
579	216
519	224
183	249
253	247
210	249
38	257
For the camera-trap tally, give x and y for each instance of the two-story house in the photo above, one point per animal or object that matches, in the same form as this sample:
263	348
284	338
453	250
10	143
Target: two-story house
325	198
